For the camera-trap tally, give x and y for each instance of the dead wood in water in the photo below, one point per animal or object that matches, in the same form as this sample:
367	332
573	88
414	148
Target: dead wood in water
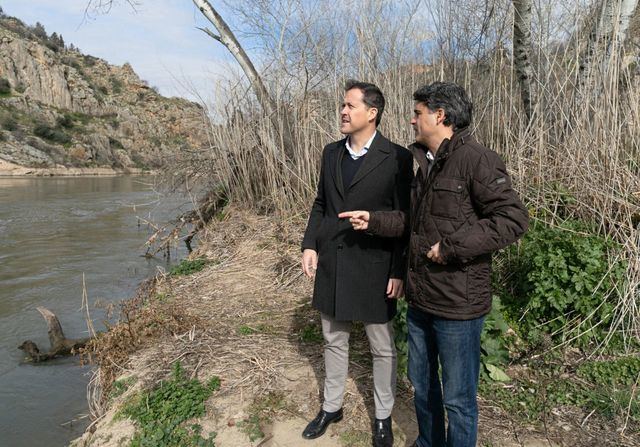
60	345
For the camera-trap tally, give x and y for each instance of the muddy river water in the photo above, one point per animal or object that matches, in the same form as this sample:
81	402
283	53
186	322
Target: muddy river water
52	231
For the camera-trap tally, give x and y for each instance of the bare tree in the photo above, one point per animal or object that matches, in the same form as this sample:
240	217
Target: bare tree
268	104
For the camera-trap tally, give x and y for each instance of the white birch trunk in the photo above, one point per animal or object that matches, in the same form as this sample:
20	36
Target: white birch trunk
627	9
522	51
608	34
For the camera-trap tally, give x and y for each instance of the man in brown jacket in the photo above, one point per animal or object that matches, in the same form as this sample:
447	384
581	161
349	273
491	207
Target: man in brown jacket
462	209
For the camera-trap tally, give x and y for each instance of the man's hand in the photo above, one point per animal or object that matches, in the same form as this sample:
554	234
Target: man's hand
309	262
434	254
359	219
395	288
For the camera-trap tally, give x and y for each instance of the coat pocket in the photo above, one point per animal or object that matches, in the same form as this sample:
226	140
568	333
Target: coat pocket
479	282
447	196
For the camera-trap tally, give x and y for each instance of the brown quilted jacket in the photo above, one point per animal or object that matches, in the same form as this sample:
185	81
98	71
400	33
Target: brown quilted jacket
468	205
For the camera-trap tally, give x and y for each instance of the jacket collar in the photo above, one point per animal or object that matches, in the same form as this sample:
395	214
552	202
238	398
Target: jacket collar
447	146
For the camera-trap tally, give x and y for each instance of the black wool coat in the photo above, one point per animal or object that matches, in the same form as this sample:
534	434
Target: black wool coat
354	267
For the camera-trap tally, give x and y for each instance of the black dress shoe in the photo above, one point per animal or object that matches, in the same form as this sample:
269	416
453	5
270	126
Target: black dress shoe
319	424
382	433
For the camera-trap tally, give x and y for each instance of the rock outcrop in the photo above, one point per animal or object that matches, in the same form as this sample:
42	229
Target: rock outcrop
59	107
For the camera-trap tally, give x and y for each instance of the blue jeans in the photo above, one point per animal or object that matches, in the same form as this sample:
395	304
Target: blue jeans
455	346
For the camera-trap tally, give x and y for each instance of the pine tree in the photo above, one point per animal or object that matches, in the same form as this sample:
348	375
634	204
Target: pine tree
39	31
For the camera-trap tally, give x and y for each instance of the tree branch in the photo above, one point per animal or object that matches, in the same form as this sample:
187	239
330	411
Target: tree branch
211	34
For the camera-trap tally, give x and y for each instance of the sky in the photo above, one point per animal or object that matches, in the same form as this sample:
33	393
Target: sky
159	39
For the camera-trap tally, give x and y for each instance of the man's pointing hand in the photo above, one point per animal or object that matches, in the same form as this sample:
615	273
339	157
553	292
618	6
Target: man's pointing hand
359	219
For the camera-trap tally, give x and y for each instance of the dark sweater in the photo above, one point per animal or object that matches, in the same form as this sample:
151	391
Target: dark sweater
349	168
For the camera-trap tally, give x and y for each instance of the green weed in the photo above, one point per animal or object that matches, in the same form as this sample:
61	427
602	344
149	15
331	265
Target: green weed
563	274
251	427
246	330
188	266
120	386
606	388
161	414
311	333
261	413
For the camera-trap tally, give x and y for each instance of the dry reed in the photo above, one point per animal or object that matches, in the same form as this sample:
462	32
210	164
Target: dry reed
583	139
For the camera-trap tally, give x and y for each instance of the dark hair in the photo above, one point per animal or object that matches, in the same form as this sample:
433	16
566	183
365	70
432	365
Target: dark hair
371	95
449	97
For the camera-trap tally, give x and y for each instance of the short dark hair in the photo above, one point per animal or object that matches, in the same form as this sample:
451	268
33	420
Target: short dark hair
371	95
449	97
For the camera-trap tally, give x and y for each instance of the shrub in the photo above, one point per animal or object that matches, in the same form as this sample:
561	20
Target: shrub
9	123
493	347
561	280
115	143
51	134
5	86
65	121
116	84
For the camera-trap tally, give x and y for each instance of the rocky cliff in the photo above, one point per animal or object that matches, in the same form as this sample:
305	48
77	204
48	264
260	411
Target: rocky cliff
59	107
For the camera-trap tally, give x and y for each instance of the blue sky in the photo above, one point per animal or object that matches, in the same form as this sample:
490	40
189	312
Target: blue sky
159	40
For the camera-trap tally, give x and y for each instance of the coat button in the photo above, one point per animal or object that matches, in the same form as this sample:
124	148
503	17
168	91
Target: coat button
339	246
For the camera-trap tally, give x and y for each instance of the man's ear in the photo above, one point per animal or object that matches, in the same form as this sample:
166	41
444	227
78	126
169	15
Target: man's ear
440	116
373	113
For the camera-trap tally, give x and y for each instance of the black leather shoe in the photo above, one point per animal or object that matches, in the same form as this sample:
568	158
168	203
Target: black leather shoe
382	433
319	424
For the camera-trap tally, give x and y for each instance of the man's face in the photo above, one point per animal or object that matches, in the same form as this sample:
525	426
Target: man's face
424	122
355	115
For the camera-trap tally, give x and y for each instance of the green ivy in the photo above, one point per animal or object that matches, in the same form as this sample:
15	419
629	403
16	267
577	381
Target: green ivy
161	414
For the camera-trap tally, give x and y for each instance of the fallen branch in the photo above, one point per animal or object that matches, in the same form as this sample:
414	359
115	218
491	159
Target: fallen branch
60	345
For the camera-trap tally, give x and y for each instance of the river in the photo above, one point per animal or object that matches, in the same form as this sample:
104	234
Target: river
52	231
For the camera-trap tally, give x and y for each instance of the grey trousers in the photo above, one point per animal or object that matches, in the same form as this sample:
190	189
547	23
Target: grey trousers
336	361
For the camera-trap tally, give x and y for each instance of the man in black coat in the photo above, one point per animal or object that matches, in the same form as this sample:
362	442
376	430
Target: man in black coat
358	277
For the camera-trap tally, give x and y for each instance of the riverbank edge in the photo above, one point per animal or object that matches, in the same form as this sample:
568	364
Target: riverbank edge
8	169
263	313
